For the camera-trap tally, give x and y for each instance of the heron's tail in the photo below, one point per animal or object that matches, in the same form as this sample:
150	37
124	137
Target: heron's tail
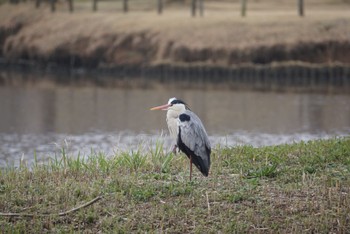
202	165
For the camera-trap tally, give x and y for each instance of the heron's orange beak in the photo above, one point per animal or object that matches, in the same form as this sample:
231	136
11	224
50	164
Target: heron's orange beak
162	107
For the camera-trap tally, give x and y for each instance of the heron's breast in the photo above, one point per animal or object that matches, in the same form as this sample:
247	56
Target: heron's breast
172	126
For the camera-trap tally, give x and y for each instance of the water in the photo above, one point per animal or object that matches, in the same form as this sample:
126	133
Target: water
39	118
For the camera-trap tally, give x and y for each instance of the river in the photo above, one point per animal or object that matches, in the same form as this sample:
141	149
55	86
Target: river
40	117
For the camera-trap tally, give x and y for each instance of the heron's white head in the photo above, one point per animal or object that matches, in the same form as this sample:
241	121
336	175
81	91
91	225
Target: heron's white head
173	104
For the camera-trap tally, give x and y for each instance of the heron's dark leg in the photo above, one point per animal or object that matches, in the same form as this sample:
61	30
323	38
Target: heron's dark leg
174	149
190	168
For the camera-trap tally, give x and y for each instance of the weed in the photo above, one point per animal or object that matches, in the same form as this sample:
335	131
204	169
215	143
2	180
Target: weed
133	160
160	160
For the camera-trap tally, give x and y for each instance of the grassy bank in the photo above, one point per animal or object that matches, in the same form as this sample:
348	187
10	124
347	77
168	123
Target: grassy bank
302	187
272	32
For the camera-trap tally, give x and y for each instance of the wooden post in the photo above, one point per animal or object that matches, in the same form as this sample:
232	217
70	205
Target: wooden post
201	8
243	7
125	6
70	5
160	7
53	6
301	7
193	8
94	5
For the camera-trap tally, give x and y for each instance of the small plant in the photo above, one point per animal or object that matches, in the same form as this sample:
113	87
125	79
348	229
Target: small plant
160	159
267	171
142	193
133	160
310	169
237	197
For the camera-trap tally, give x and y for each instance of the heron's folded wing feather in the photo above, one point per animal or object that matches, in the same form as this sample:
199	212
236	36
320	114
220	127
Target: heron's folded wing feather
194	136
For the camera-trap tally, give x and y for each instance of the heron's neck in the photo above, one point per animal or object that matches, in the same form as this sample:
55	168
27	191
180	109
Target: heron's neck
171	118
174	113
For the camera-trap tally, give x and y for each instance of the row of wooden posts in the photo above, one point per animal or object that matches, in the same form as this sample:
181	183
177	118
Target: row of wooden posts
196	5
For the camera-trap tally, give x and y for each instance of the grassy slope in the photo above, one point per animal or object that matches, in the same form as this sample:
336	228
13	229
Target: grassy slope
303	187
141	36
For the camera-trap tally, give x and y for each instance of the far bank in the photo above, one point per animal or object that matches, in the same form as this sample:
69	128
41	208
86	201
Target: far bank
220	45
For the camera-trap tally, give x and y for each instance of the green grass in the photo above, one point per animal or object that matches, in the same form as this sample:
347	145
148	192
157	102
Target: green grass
297	188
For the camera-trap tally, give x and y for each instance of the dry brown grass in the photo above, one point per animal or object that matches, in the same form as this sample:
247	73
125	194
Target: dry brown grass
143	37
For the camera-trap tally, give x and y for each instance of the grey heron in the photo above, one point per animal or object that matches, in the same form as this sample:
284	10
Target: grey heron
187	130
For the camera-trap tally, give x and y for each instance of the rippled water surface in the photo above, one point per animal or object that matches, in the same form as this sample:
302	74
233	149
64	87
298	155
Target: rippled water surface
43	117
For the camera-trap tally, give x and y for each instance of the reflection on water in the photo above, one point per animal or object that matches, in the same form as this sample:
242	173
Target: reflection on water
74	110
41	116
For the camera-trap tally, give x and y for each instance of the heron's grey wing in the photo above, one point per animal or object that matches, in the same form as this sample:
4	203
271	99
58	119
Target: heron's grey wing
193	135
